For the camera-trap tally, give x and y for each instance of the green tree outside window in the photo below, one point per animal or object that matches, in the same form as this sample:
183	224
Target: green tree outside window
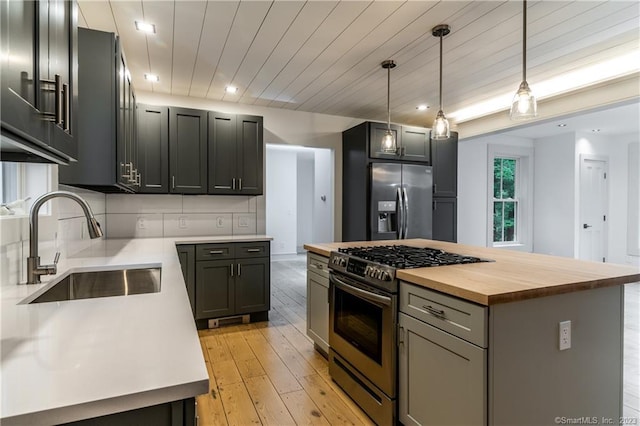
505	203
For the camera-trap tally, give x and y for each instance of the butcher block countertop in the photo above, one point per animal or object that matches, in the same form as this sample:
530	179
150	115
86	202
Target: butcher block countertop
513	275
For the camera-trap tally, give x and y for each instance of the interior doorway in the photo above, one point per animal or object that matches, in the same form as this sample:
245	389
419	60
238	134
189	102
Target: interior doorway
299	196
593	208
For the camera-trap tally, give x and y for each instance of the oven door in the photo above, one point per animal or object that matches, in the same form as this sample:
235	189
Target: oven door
362	329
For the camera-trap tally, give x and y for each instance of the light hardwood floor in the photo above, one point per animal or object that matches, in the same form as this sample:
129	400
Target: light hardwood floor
268	372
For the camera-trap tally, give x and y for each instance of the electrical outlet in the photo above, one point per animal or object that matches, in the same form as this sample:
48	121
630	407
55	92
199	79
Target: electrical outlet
182	222
219	222
565	335
243	222
141	223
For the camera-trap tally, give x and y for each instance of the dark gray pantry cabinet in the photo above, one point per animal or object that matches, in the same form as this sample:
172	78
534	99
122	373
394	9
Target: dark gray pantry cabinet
205	152
39	86
227	279
107	152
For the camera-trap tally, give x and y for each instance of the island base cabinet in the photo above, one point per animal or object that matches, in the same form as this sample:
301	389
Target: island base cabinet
176	413
442	378
318	310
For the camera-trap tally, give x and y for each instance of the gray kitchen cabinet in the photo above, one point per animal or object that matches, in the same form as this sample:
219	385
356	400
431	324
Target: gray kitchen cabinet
235	154
318	301
442	359
187	256
444	154
231	279
187	151
107	118
153	148
39	85
412	142
445	219
176	413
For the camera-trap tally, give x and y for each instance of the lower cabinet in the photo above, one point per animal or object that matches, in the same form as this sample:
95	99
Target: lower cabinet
229	279
318	301
176	413
442	377
445	218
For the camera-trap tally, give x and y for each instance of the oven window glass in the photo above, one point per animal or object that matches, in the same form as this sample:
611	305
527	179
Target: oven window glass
360	323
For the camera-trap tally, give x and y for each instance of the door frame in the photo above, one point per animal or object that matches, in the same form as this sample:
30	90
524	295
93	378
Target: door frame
579	221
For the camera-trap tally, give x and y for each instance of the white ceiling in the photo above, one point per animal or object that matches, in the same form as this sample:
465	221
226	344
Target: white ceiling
324	56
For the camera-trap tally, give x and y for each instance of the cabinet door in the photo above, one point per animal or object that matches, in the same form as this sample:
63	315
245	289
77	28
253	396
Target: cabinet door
444	154
187	256
445	219
153	148
376	133
188	151
443	379
60	59
215	292
223	177
416	144
20	82
249	154
252	286
121	98
318	309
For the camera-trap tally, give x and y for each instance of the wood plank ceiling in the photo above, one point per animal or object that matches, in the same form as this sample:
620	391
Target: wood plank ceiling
324	56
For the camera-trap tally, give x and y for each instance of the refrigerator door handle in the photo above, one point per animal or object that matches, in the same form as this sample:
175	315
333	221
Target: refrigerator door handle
405	197
400	218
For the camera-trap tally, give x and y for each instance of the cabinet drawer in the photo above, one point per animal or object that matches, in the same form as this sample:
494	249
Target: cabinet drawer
214	251
318	264
252	249
456	316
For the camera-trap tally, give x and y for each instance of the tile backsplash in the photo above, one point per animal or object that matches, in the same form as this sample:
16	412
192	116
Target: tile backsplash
124	216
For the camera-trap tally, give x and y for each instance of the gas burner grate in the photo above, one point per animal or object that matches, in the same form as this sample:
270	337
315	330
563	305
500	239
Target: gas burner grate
405	257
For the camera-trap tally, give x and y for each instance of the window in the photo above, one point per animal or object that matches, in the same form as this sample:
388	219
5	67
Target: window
10	175
510	195
505	201
20	184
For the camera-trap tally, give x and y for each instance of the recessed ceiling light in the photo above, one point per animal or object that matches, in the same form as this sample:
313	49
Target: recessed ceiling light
145	27
422	107
152	78
562	125
231	89
595	130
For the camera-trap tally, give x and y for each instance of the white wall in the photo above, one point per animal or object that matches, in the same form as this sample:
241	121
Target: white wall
281	126
305	195
323	220
281	204
633	220
554	195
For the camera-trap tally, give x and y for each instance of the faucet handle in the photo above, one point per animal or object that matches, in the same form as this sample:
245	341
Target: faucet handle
56	258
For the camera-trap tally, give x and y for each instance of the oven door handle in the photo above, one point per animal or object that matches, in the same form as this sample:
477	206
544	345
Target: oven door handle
367	295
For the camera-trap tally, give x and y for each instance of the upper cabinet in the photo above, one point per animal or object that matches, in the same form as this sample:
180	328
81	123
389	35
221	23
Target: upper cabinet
107	118
445	166
188	151
39	85
153	148
412	143
235	154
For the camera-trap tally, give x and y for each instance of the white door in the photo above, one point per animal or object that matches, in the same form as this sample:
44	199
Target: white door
593	208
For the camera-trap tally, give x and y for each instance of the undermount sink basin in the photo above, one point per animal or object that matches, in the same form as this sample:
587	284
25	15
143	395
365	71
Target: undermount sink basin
106	283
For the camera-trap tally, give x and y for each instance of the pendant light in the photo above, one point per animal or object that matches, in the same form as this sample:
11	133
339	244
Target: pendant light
524	104
440	128
388	140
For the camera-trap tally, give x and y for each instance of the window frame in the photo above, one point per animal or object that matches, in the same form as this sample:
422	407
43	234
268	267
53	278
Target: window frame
33	180
523	195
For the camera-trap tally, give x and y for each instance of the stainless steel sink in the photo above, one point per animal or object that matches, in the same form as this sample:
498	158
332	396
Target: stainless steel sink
87	285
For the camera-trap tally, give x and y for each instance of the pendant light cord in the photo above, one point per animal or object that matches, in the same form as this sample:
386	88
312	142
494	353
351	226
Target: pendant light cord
388	98
440	72
524	40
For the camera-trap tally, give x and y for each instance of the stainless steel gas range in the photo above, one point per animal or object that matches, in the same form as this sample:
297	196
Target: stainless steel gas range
363	316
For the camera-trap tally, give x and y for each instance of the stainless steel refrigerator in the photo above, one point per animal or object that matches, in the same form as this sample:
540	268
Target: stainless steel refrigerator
400	201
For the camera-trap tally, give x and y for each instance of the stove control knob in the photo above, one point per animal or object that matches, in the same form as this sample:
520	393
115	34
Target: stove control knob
379	274
366	270
385	276
374	272
343	261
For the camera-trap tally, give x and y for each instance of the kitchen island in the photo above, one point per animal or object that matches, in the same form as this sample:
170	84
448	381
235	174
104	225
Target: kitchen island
481	343
80	359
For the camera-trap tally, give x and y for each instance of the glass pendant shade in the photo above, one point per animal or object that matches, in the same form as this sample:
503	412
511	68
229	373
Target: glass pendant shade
389	142
440	128
524	104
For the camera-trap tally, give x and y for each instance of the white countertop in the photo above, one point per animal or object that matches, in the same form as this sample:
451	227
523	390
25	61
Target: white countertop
65	361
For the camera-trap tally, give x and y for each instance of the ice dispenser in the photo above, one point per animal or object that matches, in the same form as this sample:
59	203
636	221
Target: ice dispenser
387	216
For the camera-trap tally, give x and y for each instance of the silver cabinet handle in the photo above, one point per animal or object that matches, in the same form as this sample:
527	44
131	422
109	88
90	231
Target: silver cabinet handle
254	250
127	170
240	184
433	311
313	265
216	251
56	115
238	269
231	267
66	107
233	184
173	182
138	179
